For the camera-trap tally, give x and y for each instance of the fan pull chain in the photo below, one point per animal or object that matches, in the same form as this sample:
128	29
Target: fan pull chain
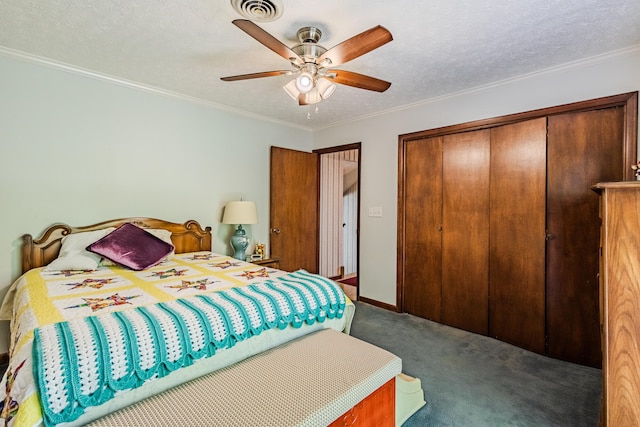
309	111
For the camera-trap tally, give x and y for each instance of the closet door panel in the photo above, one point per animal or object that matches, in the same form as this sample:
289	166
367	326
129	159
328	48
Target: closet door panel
584	148
517	234
422	221
465	237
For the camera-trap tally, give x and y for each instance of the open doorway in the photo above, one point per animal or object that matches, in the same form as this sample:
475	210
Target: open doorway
339	215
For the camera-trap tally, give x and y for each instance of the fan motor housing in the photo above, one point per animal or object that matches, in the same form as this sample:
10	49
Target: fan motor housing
309	51
308	48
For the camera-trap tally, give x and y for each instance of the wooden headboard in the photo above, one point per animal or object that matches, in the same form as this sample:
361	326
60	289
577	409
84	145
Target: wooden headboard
187	237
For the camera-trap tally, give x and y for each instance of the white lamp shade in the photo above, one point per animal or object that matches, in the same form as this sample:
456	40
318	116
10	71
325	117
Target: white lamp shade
313	97
240	212
292	90
325	87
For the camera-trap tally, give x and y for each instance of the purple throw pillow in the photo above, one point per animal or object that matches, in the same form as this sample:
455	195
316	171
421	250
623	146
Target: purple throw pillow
131	246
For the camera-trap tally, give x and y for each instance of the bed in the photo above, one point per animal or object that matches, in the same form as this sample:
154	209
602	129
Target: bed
86	342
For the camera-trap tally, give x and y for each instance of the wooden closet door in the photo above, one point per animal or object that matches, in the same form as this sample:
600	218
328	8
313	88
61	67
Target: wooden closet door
517	234
422	222
465	237
584	148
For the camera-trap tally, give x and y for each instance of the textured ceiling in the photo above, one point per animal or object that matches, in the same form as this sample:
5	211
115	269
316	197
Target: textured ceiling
439	46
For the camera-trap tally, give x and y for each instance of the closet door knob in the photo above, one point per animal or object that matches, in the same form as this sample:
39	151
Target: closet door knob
275	230
548	236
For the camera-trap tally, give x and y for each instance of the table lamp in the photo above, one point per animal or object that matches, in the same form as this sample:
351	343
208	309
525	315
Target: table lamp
240	212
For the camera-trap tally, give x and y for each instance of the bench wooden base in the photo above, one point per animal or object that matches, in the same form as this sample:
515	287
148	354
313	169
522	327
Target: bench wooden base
376	410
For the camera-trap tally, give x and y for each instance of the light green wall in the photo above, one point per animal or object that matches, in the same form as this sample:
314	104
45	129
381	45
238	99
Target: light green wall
81	150
106	150
603	76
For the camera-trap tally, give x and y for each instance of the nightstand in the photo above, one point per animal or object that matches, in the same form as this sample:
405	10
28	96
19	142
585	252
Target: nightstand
273	262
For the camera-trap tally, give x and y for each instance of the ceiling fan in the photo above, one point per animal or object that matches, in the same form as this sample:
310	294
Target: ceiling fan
311	62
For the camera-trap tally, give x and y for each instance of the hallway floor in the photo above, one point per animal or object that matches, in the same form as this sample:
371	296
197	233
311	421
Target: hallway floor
349	286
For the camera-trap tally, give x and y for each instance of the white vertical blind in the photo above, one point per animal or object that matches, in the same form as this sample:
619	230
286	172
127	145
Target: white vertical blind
333	167
350	230
330	214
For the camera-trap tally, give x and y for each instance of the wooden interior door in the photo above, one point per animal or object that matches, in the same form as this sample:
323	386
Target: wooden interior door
465	236
517	236
421	239
584	148
294	209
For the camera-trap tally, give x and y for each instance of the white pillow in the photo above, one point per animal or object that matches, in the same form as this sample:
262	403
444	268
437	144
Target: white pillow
160	233
73	254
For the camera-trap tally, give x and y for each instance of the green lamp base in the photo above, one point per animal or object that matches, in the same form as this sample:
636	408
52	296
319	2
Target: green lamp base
239	243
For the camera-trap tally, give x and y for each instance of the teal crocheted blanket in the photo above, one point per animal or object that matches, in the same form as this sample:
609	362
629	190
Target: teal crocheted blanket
84	362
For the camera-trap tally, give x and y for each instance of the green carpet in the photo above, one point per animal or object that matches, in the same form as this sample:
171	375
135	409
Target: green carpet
473	380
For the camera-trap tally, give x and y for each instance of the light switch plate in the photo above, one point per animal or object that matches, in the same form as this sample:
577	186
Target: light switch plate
375	211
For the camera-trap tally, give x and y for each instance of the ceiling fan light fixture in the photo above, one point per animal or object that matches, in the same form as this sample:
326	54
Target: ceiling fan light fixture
304	82
292	89
311	97
325	87
314	81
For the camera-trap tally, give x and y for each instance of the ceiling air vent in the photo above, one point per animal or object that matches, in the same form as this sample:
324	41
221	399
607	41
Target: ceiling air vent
258	10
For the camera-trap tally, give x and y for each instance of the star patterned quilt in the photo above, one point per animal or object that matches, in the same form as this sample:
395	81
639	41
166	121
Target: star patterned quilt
79	337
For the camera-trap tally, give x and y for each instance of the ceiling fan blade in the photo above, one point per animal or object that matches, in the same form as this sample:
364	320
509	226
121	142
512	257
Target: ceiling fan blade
255	75
266	39
357	46
361	81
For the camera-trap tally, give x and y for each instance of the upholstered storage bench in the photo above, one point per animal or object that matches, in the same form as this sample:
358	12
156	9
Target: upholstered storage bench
325	378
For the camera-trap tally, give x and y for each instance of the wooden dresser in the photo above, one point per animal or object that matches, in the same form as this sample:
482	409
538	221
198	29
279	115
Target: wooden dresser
620	302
